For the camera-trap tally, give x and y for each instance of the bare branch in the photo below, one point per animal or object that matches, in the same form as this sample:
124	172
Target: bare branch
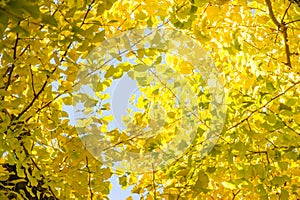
89	177
285	12
283	29
271	13
297	20
32	83
13	65
287	48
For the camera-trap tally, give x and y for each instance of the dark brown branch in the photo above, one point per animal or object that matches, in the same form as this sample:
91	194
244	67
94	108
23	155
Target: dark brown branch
287	48
47	104
283	29
285	12
260	152
297	20
90	6
271	143
271	14
32	82
34	99
235	194
89	177
14	57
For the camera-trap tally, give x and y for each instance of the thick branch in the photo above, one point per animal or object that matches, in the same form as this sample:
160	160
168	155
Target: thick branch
283	29
287	47
271	14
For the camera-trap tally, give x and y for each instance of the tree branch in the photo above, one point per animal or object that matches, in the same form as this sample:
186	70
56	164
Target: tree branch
260	152
287	47
235	194
283	29
271	13
33	100
89	177
32	82
267	103
13	65
52	72
285	12
297	20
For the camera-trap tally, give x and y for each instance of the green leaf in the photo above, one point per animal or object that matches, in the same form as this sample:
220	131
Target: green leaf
123	181
270	86
260	170
284	195
99	37
19	29
49	19
32	9
141	68
90	103
3	17
261	190
170	114
284	107
142	81
117	56
4	93
202	181
109	73
280	180
182	145
20	172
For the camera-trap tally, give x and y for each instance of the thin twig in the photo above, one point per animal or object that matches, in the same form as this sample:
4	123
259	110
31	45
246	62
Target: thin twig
297	20
267	103
15	58
285	12
89	177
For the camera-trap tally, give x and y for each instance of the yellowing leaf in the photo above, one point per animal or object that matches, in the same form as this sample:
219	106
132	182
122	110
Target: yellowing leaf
107	173
296	117
67	100
229	185
99	37
202	181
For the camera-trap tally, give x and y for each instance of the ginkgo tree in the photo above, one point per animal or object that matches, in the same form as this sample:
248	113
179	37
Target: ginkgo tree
46	49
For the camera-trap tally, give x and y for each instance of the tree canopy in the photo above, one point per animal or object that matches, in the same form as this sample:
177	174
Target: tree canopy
50	53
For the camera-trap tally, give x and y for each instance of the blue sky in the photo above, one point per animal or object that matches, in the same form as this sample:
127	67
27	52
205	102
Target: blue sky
121	90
